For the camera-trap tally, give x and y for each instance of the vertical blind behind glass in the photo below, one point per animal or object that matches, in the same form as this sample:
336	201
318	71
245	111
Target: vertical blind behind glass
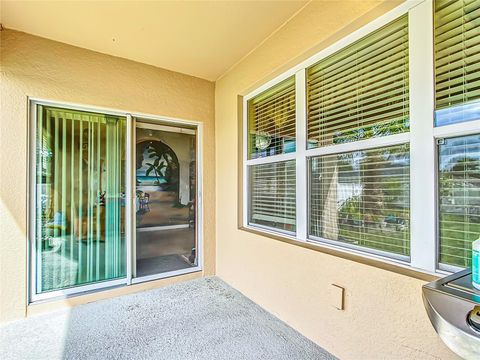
362	90
79	202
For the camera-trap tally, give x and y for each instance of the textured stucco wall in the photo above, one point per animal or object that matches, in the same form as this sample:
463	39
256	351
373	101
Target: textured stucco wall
384	316
40	68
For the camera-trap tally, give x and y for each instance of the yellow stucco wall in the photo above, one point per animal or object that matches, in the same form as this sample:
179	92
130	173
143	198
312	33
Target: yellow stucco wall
40	68
384	315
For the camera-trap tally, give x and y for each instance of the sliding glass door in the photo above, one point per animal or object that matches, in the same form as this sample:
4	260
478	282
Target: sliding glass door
113	200
165	199
79	198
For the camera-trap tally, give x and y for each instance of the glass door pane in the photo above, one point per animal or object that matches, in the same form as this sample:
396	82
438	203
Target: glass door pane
165	199
80	201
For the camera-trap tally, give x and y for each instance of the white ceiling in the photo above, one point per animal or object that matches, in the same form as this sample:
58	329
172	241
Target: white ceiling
199	38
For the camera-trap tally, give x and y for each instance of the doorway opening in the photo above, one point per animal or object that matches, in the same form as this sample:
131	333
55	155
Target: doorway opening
165	199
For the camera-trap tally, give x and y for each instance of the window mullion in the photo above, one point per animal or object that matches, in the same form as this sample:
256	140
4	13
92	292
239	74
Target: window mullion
422	144
301	160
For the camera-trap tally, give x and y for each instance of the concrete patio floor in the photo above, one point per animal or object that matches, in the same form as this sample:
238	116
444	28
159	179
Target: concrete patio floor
199	319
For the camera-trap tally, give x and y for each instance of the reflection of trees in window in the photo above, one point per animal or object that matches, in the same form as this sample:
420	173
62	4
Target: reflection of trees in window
371	198
361	91
459	205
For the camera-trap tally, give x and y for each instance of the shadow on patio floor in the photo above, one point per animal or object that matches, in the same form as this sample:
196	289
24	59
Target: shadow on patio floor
198	319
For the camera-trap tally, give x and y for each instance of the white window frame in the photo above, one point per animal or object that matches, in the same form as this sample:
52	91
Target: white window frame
424	242
129	278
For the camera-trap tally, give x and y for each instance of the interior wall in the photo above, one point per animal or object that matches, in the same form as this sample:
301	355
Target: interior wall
384	316
39	68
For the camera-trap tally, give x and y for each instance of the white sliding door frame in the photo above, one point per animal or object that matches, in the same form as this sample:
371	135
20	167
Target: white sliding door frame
34	273
130	199
129	278
164	124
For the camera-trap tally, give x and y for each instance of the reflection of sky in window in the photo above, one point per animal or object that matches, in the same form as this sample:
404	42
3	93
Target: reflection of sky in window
457	114
347	191
458	149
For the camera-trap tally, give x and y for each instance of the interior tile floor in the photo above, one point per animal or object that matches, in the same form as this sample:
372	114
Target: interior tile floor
198	319
162	264
164	242
160	251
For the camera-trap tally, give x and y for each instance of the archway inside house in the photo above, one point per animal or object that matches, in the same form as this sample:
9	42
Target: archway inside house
165	199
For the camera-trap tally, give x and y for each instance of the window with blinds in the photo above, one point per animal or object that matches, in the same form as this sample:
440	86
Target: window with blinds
361	91
272	195
271	121
459	203
362	198
358	193
457	61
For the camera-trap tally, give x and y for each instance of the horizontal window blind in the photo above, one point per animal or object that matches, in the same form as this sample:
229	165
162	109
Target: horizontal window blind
459	191
362	198
457	60
361	91
271	121
272	195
